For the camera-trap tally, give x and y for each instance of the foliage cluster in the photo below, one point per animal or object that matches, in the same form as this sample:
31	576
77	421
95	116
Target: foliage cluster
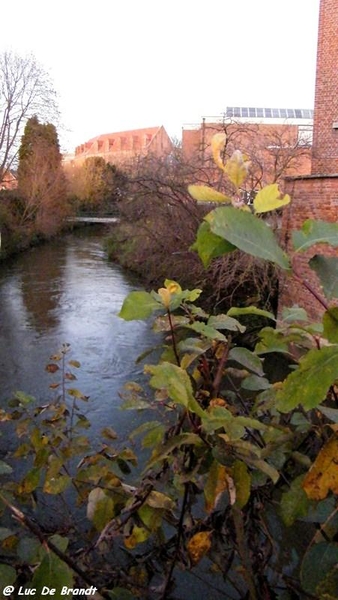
41	181
158	224
95	186
38	207
241	476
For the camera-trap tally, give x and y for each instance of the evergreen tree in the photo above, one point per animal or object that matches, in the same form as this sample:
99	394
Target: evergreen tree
40	176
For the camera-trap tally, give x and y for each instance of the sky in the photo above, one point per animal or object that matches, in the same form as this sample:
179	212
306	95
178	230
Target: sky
128	64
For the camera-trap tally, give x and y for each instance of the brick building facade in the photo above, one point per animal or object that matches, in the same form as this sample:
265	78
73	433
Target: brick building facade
316	196
276	141
119	147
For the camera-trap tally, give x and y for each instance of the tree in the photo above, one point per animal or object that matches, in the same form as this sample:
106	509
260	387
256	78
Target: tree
96	185
275	151
239	479
25	91
40	177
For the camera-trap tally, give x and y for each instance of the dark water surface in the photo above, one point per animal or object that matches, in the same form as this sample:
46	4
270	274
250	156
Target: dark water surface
67	292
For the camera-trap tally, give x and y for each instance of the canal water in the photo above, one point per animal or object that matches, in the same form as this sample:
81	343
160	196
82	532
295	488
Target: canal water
68	292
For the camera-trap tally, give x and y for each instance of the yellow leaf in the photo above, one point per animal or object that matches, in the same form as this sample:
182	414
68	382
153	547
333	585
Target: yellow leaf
323	475
269	198
237	168
198	546
159	500
165	296
217	147
138	535
204	193
172	286
216	484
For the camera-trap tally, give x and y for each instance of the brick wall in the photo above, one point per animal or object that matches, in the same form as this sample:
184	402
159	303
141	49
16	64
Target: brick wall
325	136
313	197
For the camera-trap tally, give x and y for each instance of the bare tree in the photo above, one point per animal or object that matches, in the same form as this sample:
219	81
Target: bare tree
25	91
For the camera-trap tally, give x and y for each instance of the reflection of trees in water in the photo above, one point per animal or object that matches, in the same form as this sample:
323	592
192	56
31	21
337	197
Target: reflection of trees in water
42	284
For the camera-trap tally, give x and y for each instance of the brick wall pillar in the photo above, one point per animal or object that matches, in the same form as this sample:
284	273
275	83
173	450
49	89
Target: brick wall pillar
325	126
313	197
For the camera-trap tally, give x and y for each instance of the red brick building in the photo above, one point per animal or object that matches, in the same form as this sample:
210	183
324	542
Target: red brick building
122	146
316	196
277	141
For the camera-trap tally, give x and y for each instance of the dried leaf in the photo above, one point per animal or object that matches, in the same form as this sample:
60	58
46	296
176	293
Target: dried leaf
323	475
198	546
52	368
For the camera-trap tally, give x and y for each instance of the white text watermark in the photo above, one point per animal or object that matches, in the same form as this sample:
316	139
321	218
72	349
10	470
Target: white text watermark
48	591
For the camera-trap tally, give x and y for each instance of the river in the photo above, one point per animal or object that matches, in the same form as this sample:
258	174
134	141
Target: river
68	292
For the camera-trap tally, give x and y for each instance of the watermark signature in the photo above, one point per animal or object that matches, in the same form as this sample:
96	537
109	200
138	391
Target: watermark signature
48	591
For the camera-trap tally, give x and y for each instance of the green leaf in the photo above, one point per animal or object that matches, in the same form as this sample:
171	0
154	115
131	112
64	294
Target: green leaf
162	323
28	550
100	508
159	500
265	467
273	340
207	331
30	482
330	413
248	233
308	385
5	468
318	562
56	485
194	345
209	246
53	573
151	517
203	193
247	359
294	503
269	198
295	313
255	383
165	450
250	310
24	398
226	322
216	418
327	271
139	306
330	323
77	394
74	363
153	432
242	481
315	232
176	382
7	575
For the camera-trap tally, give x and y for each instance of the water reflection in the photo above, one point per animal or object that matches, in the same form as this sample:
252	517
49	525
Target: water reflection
68	292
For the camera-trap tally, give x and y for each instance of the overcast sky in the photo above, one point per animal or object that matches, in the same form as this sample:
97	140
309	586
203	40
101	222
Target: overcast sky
125	64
